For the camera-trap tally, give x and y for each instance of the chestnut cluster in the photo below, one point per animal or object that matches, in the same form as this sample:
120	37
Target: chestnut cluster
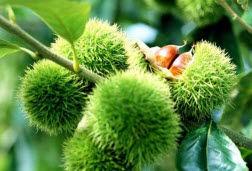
132	118
169	57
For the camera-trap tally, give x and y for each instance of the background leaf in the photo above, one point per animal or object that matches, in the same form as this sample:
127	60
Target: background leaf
207	148
66	18
240	112
7	48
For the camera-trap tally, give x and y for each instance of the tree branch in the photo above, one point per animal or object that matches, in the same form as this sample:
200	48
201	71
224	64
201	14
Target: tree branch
233	14
45	51
239	139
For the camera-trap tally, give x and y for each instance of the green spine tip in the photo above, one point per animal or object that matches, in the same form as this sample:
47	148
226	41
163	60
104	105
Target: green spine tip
201	12
53	98
134	111
81	153
206	83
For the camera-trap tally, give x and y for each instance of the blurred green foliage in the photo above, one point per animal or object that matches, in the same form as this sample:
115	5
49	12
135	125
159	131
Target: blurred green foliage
158	22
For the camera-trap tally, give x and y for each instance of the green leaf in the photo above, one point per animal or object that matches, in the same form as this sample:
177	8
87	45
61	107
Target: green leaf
208	148
12	39
66	18
7	48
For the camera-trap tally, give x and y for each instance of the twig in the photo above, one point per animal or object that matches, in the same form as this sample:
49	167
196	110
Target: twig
235	16
239	139
45	51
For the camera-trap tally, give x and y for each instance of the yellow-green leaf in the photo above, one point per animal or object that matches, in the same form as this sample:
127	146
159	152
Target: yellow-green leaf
7	48
66	18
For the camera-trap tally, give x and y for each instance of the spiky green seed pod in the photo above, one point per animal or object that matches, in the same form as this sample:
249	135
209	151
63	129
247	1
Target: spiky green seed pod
53	98
134	111
201	12
205	84
102	48
82	154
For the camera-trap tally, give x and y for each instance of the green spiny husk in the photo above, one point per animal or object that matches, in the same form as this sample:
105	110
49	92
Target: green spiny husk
102	48
53	97
206	83
133	111
81	153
